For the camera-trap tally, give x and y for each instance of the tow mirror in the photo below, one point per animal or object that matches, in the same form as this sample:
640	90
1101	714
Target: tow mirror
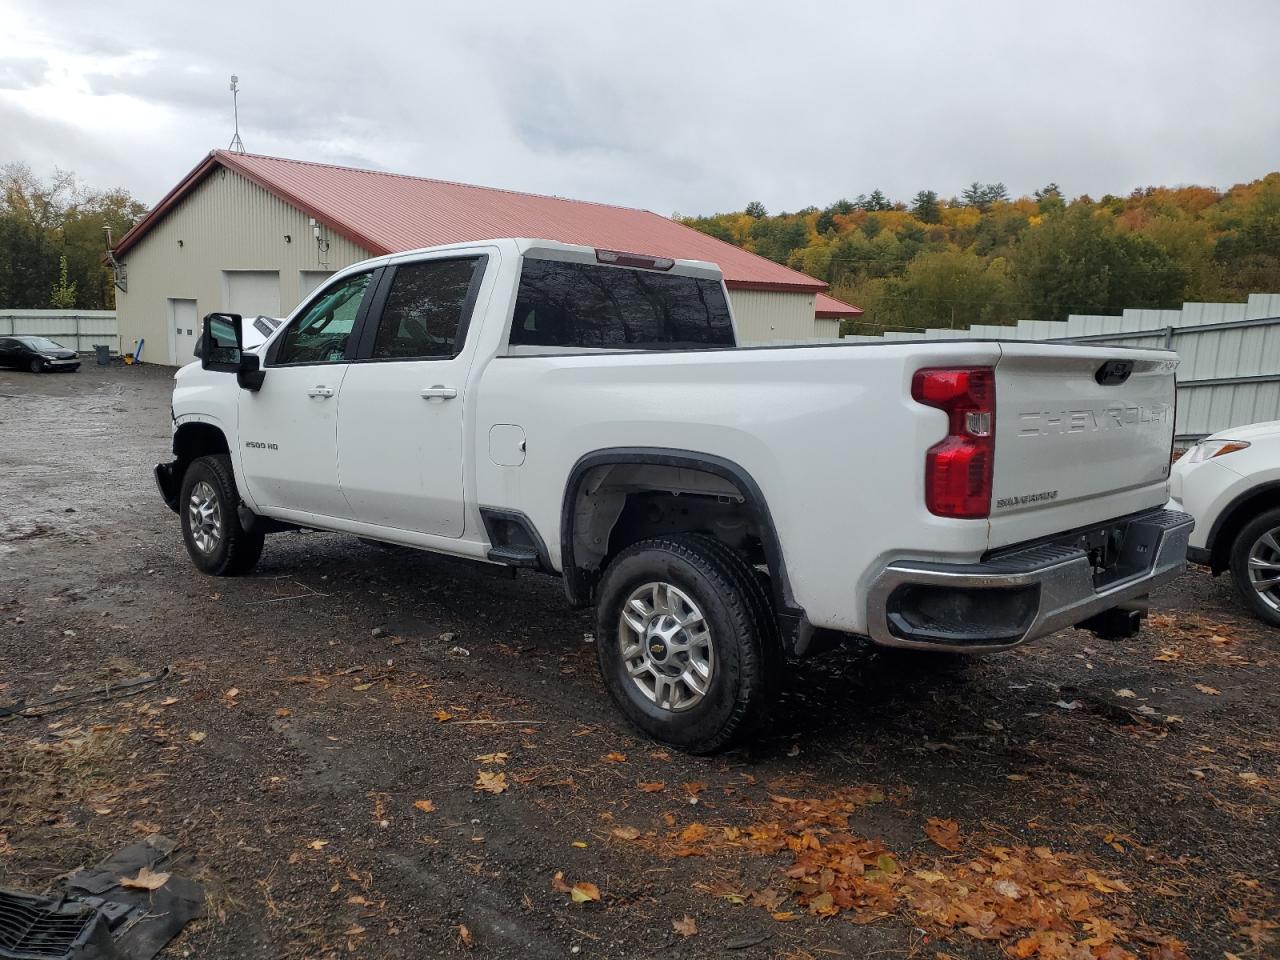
222	350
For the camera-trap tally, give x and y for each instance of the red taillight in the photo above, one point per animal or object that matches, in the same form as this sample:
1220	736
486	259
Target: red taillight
957	471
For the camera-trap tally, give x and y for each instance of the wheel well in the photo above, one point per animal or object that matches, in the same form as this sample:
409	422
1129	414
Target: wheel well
614	502
1233	520
194	440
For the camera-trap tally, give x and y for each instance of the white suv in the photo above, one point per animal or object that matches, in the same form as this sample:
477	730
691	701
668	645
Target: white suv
1230	482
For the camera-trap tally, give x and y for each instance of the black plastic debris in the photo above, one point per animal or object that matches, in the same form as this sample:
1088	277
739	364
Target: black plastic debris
92	916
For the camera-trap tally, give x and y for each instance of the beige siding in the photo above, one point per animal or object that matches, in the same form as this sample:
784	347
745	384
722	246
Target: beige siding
768	317
826	329
226	223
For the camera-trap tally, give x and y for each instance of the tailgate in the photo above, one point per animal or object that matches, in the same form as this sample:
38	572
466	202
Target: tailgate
1083	435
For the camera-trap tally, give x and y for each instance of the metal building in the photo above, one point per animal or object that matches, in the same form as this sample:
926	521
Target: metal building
255	235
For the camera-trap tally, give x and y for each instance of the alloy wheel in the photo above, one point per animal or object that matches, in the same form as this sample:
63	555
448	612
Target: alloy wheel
1264	568
204	514
666	646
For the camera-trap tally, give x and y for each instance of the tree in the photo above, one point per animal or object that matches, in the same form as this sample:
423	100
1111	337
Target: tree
63	296
755	209
776	237
925	207
876	201
44	223
983	195
1076	262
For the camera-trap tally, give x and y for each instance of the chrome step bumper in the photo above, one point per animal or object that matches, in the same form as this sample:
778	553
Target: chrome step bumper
1022	594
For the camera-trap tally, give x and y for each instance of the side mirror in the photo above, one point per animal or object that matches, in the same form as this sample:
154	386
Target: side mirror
221	348
221	343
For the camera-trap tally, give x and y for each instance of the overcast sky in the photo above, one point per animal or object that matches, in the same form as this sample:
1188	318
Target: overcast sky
694	107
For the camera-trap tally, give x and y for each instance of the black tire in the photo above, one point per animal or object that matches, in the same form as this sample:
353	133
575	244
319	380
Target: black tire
1252	534
748	660
36	365
235	550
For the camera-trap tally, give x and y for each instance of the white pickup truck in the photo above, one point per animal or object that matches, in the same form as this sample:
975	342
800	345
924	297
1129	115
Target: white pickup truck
588	413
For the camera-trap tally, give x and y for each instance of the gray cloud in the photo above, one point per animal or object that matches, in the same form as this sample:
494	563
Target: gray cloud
696	108
19	73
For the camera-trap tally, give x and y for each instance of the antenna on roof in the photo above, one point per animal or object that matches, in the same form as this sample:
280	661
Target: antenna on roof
237	145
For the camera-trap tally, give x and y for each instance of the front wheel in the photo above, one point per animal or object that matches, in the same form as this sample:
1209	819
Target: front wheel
1255	565
36	365
216	541
687	643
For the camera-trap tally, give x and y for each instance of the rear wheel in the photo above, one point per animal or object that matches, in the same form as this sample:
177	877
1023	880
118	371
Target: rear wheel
686	641
1255	565
216	541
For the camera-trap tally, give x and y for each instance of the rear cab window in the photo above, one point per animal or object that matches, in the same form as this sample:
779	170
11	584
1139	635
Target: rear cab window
567	307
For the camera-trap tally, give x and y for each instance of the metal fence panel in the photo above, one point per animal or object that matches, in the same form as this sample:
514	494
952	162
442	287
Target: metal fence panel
80	330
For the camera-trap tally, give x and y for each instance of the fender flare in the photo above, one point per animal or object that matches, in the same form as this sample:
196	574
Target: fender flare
1226	520
578	588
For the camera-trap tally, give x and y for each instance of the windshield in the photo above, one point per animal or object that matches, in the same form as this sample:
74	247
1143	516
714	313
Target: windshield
41	343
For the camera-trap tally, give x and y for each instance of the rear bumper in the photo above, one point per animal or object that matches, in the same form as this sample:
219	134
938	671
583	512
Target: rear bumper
1025	593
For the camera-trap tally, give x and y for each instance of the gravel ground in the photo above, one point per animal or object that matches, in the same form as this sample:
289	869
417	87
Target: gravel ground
317	746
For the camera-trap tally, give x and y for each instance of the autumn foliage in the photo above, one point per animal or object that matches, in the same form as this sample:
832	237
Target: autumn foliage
983	257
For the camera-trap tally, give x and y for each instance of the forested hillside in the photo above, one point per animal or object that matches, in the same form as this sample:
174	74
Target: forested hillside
984	257
52	238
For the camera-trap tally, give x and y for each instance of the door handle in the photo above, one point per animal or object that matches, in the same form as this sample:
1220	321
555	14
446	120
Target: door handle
437	393
322	392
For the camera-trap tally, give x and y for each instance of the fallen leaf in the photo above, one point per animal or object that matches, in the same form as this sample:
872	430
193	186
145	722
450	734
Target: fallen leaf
1126	693
464	934
353	931
318	844
930	876
625	833
1168	655
361	687
489	782
1073	705
1007	888
584	892
694	787
426	806
1249	777
283	711
231	694
1015	777
785	916
652	786
693	833
497	758
196	736
580	844
443	715
1204	688
145	880
945	833
616	757
558	884
687	927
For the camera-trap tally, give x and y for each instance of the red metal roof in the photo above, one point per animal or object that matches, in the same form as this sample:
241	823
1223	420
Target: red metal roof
389	212
827	307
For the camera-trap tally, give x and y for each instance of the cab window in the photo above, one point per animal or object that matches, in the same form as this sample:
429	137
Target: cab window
321	333
427	309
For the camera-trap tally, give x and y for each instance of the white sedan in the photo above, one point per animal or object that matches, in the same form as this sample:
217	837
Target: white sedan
1230	482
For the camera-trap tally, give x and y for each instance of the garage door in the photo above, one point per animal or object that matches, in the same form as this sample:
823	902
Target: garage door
309	280
252	293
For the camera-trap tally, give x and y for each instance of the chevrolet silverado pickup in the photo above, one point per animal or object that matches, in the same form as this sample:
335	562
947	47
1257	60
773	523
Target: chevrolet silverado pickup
589	413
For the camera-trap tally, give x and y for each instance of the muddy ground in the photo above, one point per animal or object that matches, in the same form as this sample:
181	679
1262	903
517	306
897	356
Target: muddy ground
317	746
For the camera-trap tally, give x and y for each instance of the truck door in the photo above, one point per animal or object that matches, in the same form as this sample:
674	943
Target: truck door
400	419
288	429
